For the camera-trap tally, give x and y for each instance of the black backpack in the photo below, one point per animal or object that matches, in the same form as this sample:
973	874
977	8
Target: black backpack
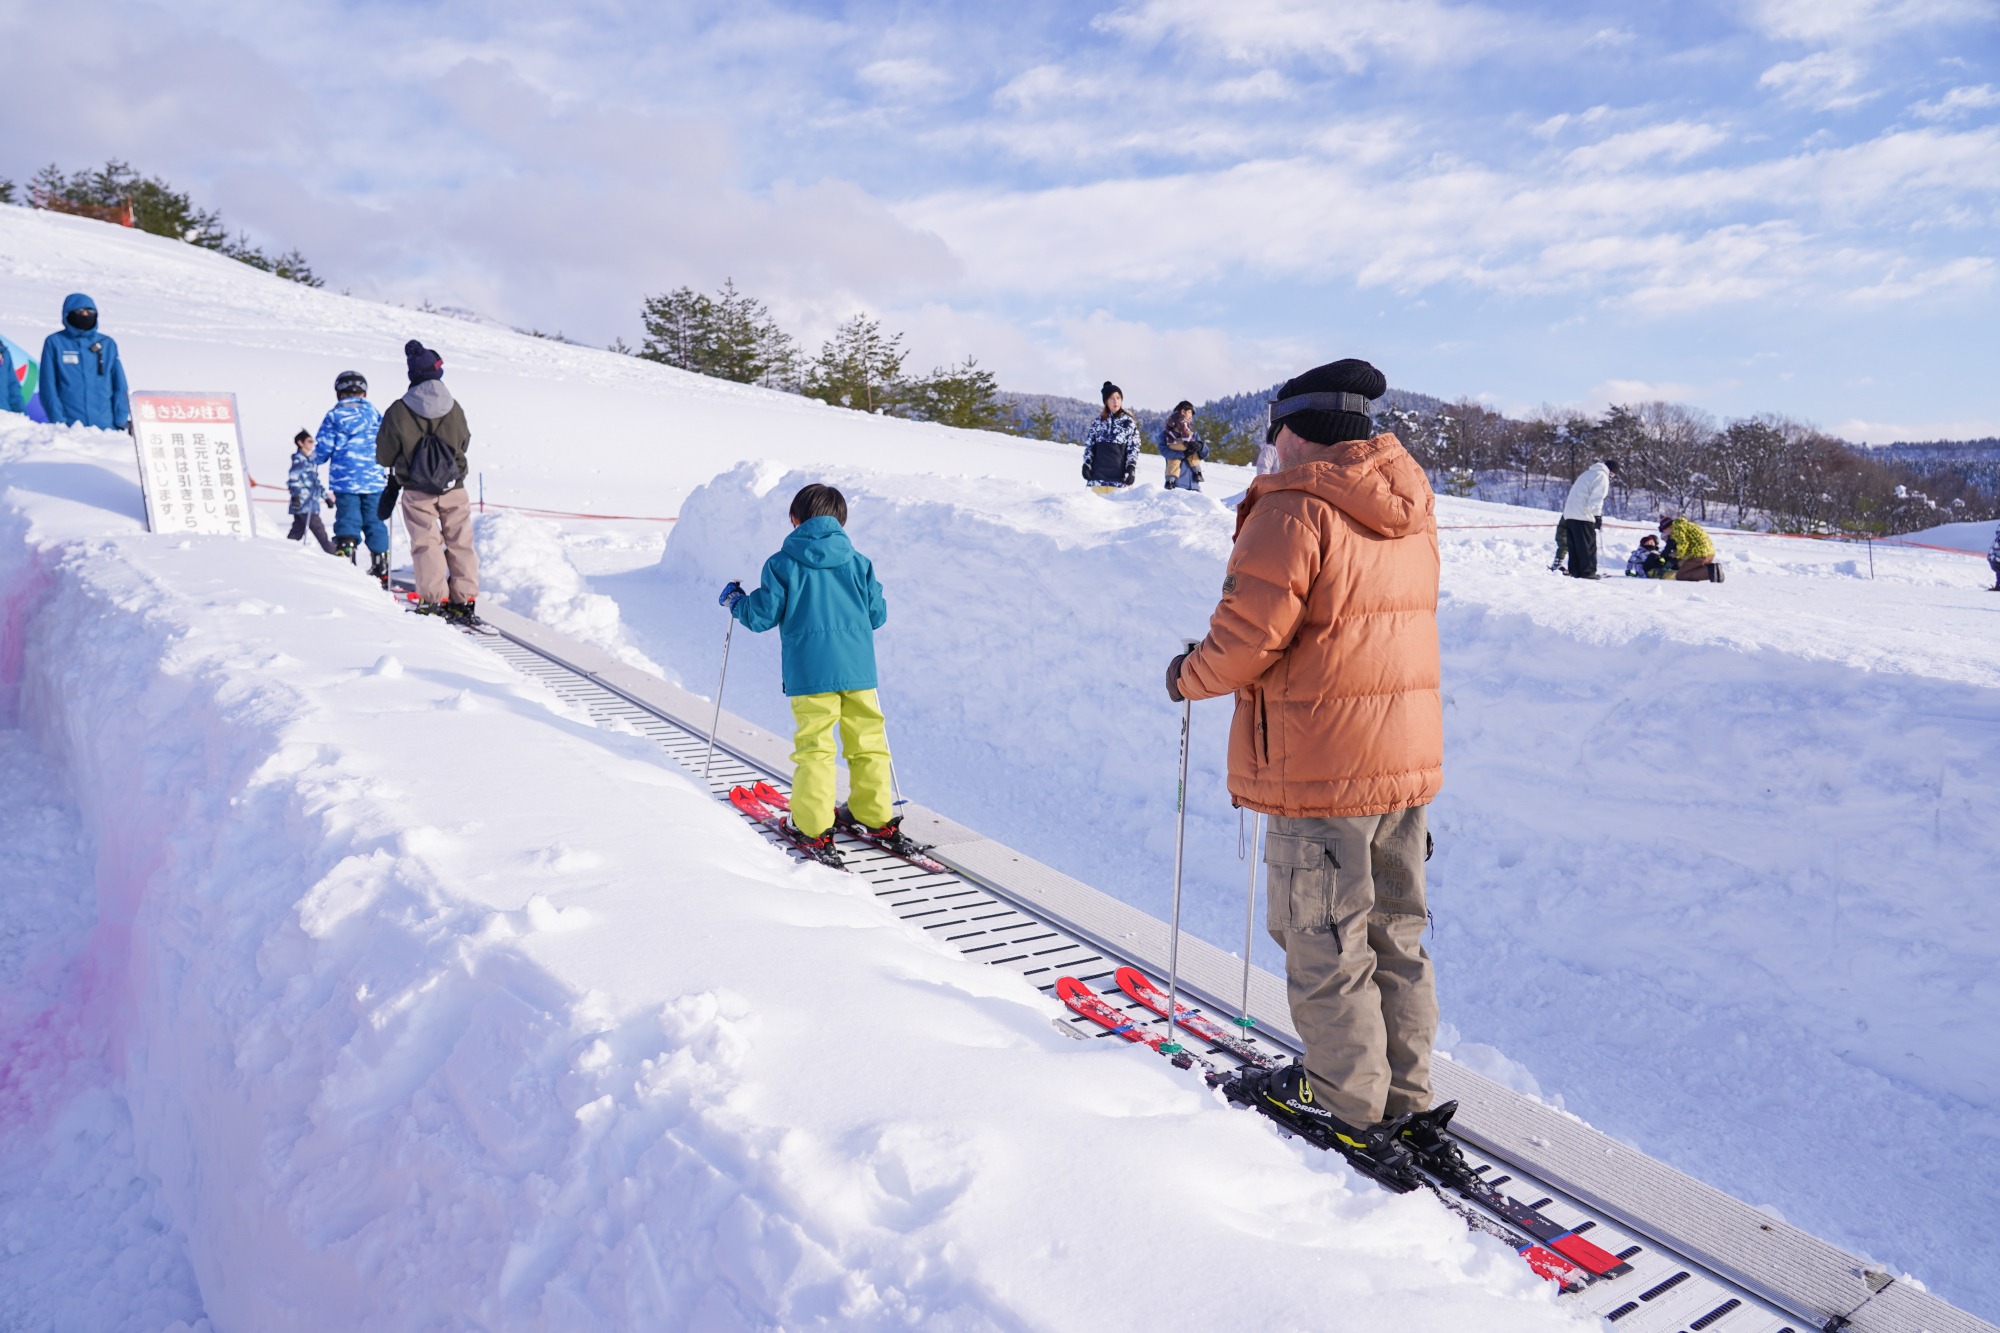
434	468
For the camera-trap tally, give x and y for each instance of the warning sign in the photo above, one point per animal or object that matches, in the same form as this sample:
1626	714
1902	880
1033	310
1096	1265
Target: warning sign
191	463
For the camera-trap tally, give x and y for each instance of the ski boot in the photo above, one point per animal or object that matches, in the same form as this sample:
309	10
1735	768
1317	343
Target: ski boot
1424	1135
378	565
820	849
1286	1095
463	614
890	837
347	546
423	608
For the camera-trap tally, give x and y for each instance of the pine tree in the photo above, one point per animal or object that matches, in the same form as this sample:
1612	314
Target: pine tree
1042	422
963	396
679	327
857	367
745	343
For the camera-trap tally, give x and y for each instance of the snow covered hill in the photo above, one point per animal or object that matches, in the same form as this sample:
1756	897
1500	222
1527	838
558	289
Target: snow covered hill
1714	872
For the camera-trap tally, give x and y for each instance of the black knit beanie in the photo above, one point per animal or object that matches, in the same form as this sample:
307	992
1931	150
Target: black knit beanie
1320	425
424	364
1109	389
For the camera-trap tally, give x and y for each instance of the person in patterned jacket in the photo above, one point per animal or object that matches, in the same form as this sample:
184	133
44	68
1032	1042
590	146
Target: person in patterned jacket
1993	560
1111	450
347	442
307	494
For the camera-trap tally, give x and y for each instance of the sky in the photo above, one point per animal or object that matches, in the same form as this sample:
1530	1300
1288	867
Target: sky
1764	205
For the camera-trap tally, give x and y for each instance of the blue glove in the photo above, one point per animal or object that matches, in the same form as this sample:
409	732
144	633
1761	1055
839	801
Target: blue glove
731	595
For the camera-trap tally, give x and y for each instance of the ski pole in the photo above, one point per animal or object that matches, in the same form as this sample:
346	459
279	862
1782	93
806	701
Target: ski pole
1243	1018
1173	1047
716	721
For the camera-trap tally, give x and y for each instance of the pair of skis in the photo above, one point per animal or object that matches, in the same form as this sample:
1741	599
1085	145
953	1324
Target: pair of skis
1555	1252
770	807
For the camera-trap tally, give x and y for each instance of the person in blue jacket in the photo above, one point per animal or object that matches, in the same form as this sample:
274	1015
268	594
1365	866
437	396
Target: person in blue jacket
10	396
823	597
346	440
83	381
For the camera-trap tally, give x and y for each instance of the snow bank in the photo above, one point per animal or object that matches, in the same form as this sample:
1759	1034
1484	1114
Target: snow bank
433	1006
525	567
1711	860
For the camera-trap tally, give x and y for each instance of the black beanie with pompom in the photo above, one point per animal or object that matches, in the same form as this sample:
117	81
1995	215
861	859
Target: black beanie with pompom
1330	426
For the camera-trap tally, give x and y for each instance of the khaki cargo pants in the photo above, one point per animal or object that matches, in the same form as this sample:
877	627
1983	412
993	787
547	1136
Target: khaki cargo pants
447	567
1347	902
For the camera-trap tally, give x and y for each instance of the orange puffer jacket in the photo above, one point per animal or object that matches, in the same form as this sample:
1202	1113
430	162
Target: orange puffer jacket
1327	635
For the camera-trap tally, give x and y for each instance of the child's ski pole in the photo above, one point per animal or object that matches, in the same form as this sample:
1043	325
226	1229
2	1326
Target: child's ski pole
1180	842
716	721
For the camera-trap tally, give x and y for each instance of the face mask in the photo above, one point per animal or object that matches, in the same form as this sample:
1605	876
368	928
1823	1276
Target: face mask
84	319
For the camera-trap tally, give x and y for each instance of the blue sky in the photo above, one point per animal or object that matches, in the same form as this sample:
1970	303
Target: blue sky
1772	205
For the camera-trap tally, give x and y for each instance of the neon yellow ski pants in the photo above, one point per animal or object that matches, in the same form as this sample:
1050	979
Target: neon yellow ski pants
870	796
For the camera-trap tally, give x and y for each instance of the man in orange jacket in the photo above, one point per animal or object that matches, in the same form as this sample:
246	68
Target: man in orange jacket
1327	636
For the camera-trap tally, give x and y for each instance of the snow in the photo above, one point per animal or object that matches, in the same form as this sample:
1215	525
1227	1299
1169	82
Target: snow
1975	536
515	1017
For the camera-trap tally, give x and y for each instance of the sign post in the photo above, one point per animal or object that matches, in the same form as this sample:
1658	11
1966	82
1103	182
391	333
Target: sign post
191	464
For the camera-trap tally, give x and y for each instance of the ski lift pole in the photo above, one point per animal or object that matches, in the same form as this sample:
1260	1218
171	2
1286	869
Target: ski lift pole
1243	1019
1173	1047
716	721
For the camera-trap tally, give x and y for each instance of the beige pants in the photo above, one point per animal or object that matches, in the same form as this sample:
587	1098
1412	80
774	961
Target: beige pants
441	545
1347	902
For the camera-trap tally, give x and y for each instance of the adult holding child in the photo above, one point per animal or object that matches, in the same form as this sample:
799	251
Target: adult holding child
423	443
1180	448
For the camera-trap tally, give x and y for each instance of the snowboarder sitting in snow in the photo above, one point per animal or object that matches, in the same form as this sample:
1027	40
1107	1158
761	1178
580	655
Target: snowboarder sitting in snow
307	494
1645	558
822	595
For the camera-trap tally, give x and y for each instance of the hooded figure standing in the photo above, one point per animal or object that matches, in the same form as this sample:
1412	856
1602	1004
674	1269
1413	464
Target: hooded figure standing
1327	636
1583	515
83	381
423	441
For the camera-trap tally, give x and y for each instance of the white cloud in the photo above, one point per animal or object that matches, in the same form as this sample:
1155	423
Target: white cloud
1859	22
1824	79
1674	142
1643	391
1959	102
1352	35
907	77
1969	276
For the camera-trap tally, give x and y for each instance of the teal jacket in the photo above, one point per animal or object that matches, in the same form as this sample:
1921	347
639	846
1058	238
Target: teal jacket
822	595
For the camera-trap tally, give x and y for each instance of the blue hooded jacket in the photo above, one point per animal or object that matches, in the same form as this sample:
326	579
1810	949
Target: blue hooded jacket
822	595
346	438
83	381
10	396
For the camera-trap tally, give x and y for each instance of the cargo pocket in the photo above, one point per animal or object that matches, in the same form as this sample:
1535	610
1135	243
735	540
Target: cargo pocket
1300	877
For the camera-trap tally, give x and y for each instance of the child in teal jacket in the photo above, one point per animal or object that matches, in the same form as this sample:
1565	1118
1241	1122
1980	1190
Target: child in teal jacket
823	597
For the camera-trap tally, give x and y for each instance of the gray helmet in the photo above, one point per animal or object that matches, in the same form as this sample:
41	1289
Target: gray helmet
350	381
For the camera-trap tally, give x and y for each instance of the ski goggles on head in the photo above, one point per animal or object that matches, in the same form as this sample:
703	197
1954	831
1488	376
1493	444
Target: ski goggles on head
1313	402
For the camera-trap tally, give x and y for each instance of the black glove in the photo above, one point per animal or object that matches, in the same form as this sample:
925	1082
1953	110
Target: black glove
387	504
1174	679
1131	475
1600	522
329	501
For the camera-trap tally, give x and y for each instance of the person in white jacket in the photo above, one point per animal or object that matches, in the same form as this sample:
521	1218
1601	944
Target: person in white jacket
1583	515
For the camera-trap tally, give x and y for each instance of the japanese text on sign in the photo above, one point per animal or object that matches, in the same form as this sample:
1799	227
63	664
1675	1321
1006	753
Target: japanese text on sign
191	463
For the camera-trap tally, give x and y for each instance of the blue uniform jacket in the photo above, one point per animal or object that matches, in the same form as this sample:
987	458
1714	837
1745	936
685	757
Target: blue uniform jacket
10	395
346	439
822	595
303	482
83	381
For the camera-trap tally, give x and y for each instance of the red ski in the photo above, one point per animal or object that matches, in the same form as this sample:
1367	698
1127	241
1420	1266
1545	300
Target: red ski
1192	1021
896	845
755	808
1091	1005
